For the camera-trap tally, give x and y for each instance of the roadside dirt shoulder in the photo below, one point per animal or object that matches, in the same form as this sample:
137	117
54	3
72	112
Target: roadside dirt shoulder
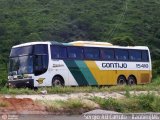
27	104
21	106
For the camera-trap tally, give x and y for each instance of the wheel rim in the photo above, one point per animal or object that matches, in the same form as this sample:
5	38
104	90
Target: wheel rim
57	83
121	81
131	81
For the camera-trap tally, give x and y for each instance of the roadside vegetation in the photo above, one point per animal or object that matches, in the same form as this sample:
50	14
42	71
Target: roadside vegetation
135	103
153	86
70	106
141	103
147	101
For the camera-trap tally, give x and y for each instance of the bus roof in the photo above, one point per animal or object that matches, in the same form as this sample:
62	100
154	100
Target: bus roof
83	43
30	43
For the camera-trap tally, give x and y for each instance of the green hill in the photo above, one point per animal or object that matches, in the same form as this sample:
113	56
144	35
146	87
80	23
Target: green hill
68	20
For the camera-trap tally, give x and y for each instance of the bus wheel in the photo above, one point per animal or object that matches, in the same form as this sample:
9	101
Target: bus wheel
57	81
121	80
131	80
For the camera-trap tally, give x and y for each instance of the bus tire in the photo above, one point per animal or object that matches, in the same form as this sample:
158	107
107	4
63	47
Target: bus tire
131	80
121	80
57	81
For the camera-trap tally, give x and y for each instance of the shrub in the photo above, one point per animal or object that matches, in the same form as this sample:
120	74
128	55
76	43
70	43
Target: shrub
148	102
109	104
74	104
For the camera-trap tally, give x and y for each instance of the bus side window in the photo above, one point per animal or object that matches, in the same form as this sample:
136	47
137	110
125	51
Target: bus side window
58	52
135	55
75	52
41	49
91	53
121	54
107	54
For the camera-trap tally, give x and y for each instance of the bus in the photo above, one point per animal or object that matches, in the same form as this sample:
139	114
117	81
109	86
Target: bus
78	63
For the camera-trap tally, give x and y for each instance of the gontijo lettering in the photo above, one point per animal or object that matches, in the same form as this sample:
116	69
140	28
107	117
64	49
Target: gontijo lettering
114	65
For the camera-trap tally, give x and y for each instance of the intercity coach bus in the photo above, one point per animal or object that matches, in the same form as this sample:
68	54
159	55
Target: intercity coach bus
79	63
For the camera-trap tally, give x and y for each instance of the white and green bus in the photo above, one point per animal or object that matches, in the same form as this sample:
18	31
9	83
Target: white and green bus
79	63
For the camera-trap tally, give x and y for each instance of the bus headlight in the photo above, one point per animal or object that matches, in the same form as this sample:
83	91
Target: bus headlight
27	76
10	77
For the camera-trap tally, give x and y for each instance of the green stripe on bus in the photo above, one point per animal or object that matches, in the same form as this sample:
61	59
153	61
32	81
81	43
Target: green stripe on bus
76	72
86	72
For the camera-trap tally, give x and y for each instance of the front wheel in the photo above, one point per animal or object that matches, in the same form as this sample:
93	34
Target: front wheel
121	80
57	82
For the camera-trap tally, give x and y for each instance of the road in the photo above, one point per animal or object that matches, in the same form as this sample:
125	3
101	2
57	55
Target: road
91	115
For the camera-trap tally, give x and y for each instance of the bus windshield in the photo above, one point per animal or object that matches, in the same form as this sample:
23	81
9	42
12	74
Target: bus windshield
21	65
19	51
28	60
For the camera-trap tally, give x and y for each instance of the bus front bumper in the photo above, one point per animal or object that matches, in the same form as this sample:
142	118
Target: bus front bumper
21	83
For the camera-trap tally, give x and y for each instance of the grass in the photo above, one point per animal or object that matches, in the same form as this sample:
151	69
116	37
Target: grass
70	106
148	102
68	90
141	103
108	104
74	104
131	103
154	86
14	91
3	104
135	103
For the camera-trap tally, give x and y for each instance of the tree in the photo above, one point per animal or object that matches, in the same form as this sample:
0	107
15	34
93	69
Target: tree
123	41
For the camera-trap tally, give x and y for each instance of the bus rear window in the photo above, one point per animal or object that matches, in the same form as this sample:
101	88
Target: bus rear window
145	57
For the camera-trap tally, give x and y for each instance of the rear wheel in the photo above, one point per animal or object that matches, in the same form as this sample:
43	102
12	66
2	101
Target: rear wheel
121	80
131	80
57	81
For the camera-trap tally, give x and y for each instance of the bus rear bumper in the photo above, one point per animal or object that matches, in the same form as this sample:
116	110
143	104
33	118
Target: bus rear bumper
21	83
